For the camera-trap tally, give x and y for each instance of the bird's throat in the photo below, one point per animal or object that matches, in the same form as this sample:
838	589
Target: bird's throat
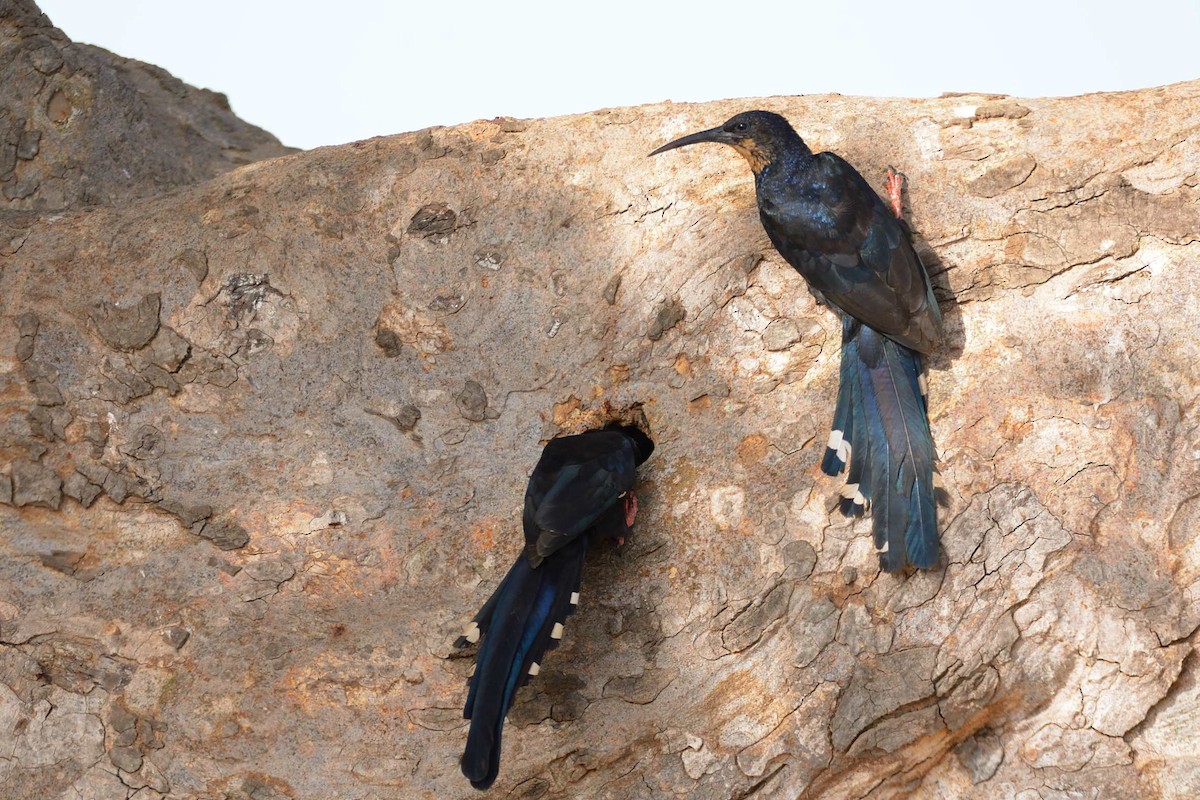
755	155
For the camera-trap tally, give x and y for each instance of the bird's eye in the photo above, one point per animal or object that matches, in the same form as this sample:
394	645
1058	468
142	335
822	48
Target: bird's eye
740	126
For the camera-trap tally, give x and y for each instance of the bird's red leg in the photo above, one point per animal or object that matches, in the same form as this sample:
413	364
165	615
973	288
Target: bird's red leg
895	188
631	509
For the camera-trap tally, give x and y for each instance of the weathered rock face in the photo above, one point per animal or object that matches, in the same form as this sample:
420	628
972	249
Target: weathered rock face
81	126
265	442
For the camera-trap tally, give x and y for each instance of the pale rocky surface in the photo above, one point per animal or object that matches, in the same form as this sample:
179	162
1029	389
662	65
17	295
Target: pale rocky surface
264	442
82	126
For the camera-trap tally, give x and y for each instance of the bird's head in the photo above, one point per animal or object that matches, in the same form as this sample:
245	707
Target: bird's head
760	136
643	445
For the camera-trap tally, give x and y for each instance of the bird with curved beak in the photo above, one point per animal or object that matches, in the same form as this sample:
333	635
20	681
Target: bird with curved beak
760	141
856	253
581	490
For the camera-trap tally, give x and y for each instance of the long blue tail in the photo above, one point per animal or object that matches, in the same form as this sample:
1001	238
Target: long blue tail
520	622
881	431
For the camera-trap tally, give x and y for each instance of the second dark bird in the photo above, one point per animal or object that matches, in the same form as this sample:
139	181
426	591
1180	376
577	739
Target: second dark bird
580	490
827	222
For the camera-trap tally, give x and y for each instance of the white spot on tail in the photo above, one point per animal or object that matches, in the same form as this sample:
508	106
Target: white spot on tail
859	500
534	668
923	384
883	550
840	446
574	598
850	490
557	631
471	632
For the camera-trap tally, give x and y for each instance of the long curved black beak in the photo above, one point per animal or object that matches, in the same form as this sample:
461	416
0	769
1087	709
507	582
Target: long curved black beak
718	135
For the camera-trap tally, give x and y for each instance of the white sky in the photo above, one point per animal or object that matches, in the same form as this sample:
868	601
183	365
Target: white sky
317	72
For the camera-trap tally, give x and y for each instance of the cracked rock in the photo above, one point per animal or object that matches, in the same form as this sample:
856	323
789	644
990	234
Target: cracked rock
435	219
194	261
247	292
670	314
748	626
176	636
273	571
698	761
27	148
128	759
50	422
167	350
982	755
489	258
894	680
1005	176
27	328
43	382
640	689
333	518
152	777
611	288
781	334
64	561
1008	109
116	487
149	731
472	402
129	326
405	417
146	443
189	514
35	484
225	535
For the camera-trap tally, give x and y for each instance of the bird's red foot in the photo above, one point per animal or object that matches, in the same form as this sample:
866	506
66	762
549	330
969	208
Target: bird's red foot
895	190
631	509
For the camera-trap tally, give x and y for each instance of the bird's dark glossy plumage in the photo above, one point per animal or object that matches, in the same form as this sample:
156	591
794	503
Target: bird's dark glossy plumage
580	490
856	254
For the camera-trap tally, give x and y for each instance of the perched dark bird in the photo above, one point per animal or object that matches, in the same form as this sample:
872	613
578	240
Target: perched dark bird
857	254
580	490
